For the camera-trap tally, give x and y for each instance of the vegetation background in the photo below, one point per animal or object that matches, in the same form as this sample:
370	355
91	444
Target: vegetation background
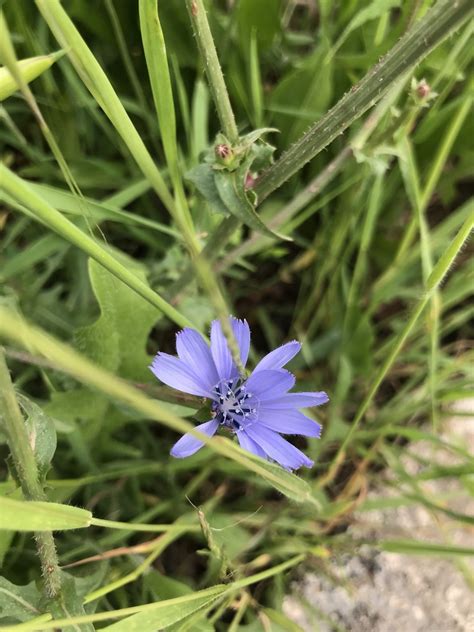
101	224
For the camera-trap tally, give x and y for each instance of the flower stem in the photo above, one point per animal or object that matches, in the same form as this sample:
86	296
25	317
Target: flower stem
27	472
445	17
207	48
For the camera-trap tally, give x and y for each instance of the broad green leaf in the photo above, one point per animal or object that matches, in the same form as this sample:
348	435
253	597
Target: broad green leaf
80	408
30	69
263	16
23	515
203	178
19	603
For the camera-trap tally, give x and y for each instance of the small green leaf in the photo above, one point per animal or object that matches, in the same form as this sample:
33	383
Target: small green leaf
202	176
41	433
288	484
231	191
23	515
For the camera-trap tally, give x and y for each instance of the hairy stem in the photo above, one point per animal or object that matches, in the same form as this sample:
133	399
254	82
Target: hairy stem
445	17
207	48
27	472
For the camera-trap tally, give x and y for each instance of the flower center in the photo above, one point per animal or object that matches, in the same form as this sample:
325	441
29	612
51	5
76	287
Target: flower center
233	405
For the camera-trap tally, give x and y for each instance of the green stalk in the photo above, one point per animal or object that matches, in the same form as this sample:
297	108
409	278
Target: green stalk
436	277
207	48
432	180
50	217
444	18
98	84
409	171
374	204
27	472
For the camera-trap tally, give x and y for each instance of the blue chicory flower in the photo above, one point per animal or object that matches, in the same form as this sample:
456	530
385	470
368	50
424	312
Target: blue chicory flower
258	409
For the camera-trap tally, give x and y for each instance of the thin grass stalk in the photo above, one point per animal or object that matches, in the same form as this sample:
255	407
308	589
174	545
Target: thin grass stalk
127	62
9	59
45	622
435	172
435	279
410	175
50	217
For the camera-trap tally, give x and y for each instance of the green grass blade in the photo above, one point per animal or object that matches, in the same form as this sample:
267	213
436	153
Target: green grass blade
50	217
424	548
103	92
440	270
160	80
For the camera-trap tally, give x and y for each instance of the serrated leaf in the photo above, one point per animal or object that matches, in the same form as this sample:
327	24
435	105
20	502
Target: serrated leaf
108	340
23	515
231	191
